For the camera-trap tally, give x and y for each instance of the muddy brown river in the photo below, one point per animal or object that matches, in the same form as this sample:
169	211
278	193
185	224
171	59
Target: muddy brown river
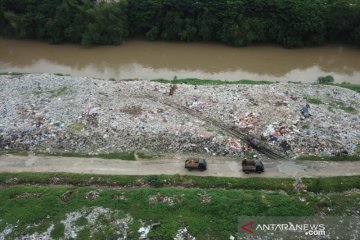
151	60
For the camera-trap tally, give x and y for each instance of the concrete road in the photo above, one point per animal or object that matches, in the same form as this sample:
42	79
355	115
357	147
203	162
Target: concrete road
217	166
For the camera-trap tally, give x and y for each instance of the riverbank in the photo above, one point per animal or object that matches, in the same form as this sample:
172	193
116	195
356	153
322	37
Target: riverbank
55	113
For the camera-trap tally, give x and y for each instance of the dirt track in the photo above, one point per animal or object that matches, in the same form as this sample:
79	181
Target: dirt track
217	166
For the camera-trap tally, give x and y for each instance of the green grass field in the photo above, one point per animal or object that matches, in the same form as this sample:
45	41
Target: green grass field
316	185
217	218
31	198
329	158
196	81
105	155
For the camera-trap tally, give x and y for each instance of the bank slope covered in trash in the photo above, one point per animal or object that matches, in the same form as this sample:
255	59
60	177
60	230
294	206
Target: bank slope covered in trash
47	112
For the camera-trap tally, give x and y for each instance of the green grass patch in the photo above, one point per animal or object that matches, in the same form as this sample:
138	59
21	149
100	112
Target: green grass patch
202	219
329	158
105	155
338	104
330	109
222	133
255	183
15	152
230	198
217	219
334	204
143	155
85	234
195	81
76	127
332	184
82	221
130	79
295	82
329	81
159	181
316	101
350	109
110	155
305	126
61	74
59	91
58	231
12	73
341	105
354	87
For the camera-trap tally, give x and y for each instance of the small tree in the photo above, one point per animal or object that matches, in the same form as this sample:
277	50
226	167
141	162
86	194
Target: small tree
325	80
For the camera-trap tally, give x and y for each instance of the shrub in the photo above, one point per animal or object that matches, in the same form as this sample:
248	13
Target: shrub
325	80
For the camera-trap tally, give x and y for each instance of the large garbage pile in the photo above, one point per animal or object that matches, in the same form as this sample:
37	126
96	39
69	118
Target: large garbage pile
47	112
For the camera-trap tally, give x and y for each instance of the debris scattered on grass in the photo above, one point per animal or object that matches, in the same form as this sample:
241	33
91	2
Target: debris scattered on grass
299	185
92	195
161	198
26	195
57	181
183	234
68	195
121	197
204	197
36	236
11	181
7	230
119	226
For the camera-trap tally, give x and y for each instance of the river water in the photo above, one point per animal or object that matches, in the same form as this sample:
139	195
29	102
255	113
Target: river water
151	60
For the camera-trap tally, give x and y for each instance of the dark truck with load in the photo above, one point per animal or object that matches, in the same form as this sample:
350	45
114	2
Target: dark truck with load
195	163
252	166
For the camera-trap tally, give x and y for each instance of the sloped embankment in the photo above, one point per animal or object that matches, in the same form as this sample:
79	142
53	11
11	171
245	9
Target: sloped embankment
64	113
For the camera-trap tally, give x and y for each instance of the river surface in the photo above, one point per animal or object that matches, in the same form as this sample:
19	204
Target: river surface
151	60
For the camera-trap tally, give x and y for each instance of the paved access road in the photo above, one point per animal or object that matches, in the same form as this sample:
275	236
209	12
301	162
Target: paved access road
217	166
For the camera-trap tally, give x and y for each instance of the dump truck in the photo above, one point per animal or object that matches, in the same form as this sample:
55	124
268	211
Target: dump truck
252	166
195	163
